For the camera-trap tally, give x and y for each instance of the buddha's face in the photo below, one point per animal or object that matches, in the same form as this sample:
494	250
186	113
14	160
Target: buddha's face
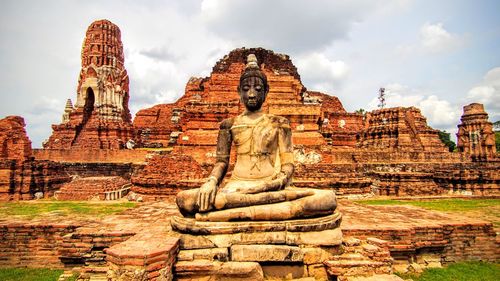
252	93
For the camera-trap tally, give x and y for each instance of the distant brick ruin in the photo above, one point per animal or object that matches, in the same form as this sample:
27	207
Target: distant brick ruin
101	118
13	139
475	134
399	128
22	177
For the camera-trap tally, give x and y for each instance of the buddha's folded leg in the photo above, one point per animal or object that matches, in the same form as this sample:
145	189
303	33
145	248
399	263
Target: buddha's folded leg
186	201
322	202
234	200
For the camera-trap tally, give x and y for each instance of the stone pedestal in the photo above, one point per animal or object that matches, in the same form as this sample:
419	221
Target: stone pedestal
142	259
250	250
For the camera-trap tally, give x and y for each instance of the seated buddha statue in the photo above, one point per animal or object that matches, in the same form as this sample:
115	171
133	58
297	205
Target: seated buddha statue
259	188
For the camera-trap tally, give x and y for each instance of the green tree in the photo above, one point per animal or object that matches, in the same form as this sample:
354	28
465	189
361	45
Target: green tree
360	111
445	138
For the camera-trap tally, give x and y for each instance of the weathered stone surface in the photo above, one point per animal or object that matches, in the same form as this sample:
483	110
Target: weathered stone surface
285	272
188	241
136	259
214	270
318	271
188	225
475	136
226	240
265	253
101	118
328	237
220	254
315	255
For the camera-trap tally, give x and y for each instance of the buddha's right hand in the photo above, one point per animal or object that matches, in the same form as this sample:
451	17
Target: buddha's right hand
206	196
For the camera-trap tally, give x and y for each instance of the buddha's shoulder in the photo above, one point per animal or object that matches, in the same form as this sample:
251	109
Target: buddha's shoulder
227	123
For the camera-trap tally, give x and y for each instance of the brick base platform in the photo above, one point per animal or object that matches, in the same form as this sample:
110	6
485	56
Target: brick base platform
414	237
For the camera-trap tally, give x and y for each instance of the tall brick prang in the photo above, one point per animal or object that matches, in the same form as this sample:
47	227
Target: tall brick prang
101	118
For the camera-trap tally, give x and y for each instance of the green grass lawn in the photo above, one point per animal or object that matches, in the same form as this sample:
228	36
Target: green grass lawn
463	271
29	274
33	209
446	205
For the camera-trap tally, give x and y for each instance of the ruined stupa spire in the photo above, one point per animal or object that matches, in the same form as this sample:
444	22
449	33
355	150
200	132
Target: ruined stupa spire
67	110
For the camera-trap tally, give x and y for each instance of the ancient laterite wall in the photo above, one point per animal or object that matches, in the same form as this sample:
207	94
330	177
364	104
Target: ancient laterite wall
452	242
123	170
53	245
92	155
89	188
166	175
21	180
88	247
32	244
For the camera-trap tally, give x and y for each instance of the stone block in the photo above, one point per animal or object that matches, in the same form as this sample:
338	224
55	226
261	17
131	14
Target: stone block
188	241
329	237
318	271
313	255
220	254
282	271
265	253
216	270
351	241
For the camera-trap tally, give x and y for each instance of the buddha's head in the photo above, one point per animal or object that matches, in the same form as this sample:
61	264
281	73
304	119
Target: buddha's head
253	87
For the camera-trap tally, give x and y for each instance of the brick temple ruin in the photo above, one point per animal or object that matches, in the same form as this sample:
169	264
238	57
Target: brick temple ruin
100	118
98	152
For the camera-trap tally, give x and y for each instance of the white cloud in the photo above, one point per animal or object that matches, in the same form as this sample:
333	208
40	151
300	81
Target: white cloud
433	39
320	73
440	114
436	39
488	93
294	26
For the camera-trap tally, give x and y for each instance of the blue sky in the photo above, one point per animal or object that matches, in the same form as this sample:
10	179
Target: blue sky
435	55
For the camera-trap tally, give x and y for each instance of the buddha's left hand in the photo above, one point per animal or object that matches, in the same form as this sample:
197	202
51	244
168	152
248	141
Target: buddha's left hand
206	196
